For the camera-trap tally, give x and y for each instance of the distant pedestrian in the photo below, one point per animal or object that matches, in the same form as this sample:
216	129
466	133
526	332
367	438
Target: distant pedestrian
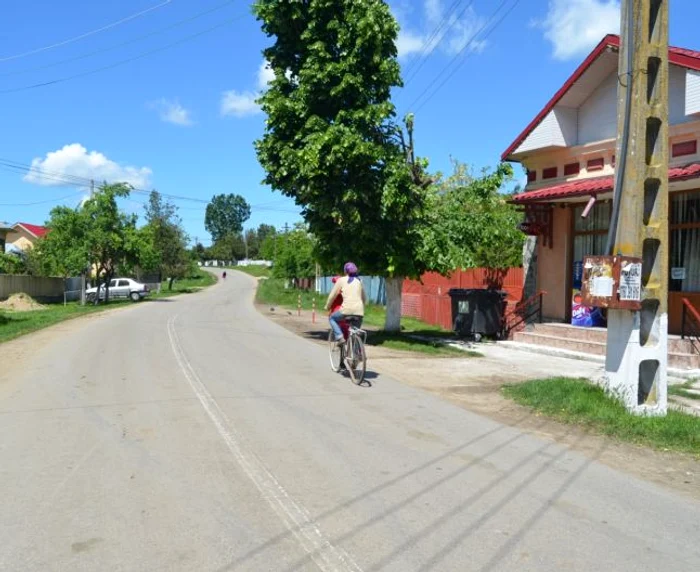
224	275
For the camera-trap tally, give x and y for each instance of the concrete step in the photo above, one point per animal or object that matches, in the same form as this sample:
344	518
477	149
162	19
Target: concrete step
534	337
681	360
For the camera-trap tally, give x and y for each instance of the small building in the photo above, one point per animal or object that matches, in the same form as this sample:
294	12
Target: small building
24	235
568	150
5	228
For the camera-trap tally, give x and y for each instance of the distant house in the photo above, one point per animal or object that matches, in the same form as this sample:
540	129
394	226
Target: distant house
24	235
5	228
568	150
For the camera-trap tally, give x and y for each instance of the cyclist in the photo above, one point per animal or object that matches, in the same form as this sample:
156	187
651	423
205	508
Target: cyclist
354	298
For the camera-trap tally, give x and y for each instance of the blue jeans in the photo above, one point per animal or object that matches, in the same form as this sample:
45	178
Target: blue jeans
333	320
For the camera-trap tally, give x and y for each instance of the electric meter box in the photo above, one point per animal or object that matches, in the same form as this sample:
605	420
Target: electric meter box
613	282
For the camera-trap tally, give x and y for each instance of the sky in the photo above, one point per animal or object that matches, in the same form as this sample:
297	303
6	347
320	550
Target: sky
161	93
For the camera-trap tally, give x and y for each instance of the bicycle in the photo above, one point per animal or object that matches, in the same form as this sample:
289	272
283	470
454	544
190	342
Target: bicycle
352	353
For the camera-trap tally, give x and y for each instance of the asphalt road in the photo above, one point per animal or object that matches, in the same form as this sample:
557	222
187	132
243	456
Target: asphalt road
193	434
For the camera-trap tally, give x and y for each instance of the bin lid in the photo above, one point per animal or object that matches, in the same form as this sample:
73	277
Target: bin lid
476	292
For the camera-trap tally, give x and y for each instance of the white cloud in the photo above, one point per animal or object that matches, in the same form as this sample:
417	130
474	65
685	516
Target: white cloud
172	112
265	75
574	27
239	103
409	43
455	34
74	159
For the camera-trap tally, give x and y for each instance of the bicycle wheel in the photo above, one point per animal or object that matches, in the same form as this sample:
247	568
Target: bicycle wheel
358	361
335	352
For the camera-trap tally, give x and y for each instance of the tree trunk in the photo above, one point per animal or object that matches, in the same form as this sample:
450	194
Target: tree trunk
392	322
170	283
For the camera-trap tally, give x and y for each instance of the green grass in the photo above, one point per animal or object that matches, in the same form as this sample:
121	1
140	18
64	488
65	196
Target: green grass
273	293
257	271
15	324
189	285
682	390
578	402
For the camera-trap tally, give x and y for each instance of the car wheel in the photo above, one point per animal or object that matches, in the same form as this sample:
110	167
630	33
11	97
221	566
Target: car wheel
135	296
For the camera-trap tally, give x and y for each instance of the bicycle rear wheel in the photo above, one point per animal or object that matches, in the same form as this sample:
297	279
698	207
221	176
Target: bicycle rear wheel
335	352
358	361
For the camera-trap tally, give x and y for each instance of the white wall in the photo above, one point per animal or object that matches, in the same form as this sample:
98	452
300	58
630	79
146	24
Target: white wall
558	129
692	92
597	116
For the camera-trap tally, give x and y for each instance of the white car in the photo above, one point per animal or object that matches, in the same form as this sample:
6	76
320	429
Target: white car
120	288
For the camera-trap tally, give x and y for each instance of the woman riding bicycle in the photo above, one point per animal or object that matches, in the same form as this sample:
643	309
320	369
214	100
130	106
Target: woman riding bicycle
354	298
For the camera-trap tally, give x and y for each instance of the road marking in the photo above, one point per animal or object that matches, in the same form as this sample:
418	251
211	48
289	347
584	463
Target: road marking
326	556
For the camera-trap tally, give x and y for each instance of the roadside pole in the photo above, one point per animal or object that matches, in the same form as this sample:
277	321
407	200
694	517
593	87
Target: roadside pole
637	344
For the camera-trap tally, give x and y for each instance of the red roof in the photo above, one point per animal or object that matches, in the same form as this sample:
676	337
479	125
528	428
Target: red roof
689	59
33	229
594	186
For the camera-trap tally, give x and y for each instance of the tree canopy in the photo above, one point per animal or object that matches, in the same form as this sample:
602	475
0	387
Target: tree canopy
225	215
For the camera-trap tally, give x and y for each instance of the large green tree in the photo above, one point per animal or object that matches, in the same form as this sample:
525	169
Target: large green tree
225	215
331	139
169	240
96	235
472	224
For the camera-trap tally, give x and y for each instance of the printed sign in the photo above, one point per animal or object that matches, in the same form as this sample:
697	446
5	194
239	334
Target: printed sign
677	273
631	281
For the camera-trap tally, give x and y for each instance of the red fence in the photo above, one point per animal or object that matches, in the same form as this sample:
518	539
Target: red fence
428	299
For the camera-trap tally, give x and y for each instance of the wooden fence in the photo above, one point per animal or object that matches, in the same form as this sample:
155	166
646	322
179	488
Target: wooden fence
40	288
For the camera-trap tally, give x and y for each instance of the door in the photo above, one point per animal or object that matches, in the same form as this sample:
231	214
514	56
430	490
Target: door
122	289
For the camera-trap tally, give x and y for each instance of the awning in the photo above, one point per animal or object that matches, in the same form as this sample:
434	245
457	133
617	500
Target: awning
593	186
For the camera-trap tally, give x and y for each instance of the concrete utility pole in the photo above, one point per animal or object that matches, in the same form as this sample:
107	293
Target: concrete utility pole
637	346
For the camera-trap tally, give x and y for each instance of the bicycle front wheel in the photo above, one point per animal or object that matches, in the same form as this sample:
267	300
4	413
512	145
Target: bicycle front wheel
358	361
335	352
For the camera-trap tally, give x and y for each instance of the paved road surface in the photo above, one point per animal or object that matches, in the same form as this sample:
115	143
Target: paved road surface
193	434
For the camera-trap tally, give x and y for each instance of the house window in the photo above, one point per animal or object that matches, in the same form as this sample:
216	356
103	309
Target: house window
550	173
684	148
685	242
590	235
531	176
572	169
595	164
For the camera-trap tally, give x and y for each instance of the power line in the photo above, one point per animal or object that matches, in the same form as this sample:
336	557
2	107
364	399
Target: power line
123	62
86	34
437	41
433	34
56	200
122	44
454	59
76	180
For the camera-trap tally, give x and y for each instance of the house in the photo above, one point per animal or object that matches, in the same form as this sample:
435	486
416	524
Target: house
568	150
24	235
5	228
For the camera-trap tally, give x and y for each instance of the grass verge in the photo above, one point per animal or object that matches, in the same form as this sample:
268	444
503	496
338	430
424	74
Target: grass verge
682	390
273	293
254	270
577	402
189	285
16	324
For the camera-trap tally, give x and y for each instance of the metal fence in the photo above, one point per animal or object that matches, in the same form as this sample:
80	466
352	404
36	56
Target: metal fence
41	288
375	287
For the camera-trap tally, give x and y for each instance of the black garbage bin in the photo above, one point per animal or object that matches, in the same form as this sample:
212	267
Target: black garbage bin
477	312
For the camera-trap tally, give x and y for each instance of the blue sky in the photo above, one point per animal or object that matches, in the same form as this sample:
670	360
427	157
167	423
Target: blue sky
182	119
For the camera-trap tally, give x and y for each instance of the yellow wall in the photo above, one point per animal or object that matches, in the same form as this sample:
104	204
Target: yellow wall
21	239
553	267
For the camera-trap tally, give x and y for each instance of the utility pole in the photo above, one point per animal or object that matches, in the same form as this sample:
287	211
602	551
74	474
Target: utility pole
83	284
637	345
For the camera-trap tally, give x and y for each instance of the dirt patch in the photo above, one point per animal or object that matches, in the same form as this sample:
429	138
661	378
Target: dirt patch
475	384
21	303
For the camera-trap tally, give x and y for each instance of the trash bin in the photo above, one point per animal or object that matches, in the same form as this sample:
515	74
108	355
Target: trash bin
477	313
